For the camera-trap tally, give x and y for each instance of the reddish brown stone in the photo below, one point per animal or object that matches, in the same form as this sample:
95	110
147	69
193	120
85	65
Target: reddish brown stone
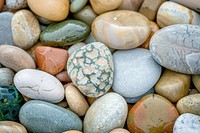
51	60
1	4
63	77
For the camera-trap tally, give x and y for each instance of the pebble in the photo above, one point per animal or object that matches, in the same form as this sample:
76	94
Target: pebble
64	33
189	104
51	60
119	130
171	13
5	28
90	39
77	5
1	4
45	87
37	115
63	104
152	114
44	9
91	69
102	6
75	47
106	113
11	127
145	70
173	85
63	76
187	123
72	131
177	48
16	4
17	61
196	81
114	29
193	91
10	103
76	100
25	29
132	5
6	76
44	20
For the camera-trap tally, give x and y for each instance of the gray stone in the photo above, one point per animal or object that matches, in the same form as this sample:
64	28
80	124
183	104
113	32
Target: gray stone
43	117
75	47
177	48
187	123
5	28
6	76
16	4
135	73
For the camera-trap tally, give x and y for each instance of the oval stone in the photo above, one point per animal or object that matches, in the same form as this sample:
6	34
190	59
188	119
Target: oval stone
64	33
91	69
135	73
36	84
6	76
15	58
189	104
121	29
37	115
152	114
16	4
77	5
171	13
177	48
106	113
11	127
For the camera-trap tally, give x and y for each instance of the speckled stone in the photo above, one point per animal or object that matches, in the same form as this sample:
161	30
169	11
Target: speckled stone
6	76
15	58
75	47
152	114
16	4
187	123
64	33
91	69
119	130
171	13
177	48
11	127
137	62
196	81
5	28
132	5
25	29
1	4
10	103
114	29
37	115
189	104
106	113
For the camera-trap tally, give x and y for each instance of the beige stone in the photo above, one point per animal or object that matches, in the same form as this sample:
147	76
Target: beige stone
62	104
11	127
72	131
196	81
119	130
132	5
91	100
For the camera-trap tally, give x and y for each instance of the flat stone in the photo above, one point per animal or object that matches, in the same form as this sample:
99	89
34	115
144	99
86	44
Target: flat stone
12	127
137	62
173	85
132	5
114	29
37	115
106	113
6	76
1	4
177	48
16	4
91	69
196	81
152	114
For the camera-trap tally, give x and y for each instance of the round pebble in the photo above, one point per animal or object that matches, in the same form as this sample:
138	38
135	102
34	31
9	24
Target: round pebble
6	76
11	127
16	4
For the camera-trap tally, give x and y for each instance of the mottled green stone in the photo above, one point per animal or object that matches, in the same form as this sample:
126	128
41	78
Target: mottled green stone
10	103
64	33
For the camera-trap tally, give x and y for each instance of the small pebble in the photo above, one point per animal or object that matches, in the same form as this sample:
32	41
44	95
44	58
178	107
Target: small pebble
63	77
132	5
119	130
6	76
16	4
11	127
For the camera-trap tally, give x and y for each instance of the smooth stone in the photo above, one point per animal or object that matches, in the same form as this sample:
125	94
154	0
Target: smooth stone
91	69
172	85
64	33
63	104
6	76
51	60
15	58
11	127
45	87
177	48
102	6
119	130
189	104
63	77
132	5
196	81
31	51
90	39
86	15
106	113
76	100
145	70
187	123
193	91
91	100
72	131
75	47
10	103
152	114
5	28
1	4
44	8
114	29
77	5
16	4
25	29
171	13
44	20
192	4
136	99
37	115
149	8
